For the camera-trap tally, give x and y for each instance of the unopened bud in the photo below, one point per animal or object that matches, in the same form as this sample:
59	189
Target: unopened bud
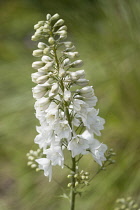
68	44
51	40
82	177
46	59
31	158
29	163
66	62
33	166
86	173
76	64
82	82
69	185
41	45
59	23
62	28
76	183
69	176
67	95
46	50
76	175
71	55
37	169
37	64
37	53
48	17
55	17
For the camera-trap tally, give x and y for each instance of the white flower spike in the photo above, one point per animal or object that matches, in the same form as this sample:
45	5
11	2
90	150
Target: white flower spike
68	118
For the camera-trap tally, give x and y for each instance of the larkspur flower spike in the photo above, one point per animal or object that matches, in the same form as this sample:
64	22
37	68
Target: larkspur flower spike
68	119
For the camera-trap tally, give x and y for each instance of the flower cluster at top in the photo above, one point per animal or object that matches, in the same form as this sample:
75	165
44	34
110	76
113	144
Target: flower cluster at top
68	119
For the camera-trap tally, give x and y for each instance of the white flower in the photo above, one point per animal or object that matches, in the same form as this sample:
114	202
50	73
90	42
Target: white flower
55	155
42	103
96	148
39	91
62	129
93	122
45	136
78	145
52	113
45	164
54	90
67	95
47	67
35	76
61	110
91	101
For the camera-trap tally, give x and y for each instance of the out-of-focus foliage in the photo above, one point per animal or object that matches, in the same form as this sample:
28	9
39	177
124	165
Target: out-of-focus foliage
106	33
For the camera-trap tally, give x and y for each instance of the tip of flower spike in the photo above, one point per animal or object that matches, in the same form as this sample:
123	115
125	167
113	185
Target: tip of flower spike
48	16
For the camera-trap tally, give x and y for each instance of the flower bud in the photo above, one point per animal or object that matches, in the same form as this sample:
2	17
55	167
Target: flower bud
82	82
69	185
46	26
54	17
51	40
59	23
69	49
46	50
35	37
83	177
71	55
62	28
46	59
43	103
69	176
76	64
40	23
46	68
42	79
48	17
77	74
37	53
68	44
63	37
62	72
39	91
37	169
62	33
76	175
67	95
29	163
66	62
31	157
76	183
42	45
54	90
33	166
37	64
35	76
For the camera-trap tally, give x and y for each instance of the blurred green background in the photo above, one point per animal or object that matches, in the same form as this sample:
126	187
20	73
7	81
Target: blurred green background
107	35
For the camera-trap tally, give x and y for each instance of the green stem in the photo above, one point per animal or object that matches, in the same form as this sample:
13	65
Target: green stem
73	193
